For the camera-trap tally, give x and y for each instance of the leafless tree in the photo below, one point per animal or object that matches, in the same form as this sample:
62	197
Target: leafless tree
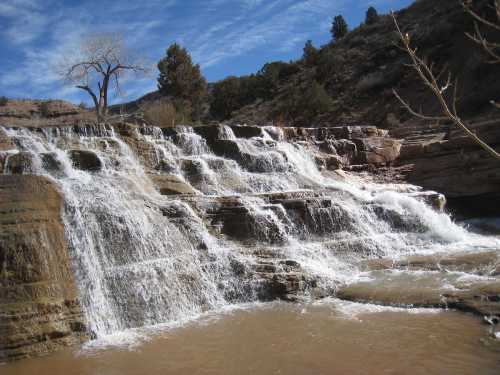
440	87
100	60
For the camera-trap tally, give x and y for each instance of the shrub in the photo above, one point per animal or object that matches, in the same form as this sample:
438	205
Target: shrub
3	101
160	113
302	103
371	16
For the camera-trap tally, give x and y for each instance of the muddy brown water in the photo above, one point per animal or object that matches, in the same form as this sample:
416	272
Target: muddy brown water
327	338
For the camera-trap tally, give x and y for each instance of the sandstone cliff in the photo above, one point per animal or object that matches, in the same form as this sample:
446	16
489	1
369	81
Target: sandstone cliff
39	309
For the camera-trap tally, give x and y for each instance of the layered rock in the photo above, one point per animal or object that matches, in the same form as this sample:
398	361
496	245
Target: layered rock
442	288
447	161
39	308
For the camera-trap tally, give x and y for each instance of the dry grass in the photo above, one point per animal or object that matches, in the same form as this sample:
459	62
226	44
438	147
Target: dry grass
43	113
160	113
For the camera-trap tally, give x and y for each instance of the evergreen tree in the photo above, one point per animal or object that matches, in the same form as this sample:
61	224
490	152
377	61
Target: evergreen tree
181	79
371	16
339	28
310	54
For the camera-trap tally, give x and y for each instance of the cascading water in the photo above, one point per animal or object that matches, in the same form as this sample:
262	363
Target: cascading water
141	258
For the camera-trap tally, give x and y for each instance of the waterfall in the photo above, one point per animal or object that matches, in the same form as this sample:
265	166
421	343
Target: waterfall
142	258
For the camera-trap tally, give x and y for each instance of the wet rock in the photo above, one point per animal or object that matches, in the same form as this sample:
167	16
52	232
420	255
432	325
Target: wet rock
227	148
440	288
85	160
39	308
481	263
345	148
51	163
482	299
171	185
328	162
433	199
398	221
247	131
391	291
284	286
20	163
5	142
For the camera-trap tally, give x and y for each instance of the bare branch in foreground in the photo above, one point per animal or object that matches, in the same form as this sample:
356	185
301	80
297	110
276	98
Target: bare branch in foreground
426	74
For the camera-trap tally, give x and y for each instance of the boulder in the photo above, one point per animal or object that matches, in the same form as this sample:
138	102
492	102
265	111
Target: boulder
377	150
85	160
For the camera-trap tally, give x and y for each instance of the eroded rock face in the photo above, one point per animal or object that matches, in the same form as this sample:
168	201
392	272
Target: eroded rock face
85	160
20	163
39	308
444	160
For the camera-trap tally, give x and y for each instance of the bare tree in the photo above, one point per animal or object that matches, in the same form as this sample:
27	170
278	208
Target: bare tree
100	60
440	87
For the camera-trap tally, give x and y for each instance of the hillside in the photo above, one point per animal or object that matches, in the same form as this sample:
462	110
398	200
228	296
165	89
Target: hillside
360	71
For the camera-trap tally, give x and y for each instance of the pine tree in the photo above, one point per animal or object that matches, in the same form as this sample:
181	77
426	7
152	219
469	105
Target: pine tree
339	28
182	80
310	54
371	16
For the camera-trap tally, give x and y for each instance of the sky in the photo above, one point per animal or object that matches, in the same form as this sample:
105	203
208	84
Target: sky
226	37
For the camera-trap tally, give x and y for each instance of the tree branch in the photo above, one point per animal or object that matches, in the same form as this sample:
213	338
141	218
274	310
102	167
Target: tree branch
91	93
429	79
467	4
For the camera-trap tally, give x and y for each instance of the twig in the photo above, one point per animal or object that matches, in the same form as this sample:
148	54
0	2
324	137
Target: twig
427	76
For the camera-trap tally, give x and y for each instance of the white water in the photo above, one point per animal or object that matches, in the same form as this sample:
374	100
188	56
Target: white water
142	259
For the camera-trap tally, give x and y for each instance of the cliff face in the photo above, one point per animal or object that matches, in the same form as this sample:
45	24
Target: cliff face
39	310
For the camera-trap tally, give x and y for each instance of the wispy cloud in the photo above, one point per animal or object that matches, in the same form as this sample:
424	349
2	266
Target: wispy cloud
279	25
37	34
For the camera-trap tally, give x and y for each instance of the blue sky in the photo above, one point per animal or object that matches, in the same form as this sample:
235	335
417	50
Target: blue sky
226	37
